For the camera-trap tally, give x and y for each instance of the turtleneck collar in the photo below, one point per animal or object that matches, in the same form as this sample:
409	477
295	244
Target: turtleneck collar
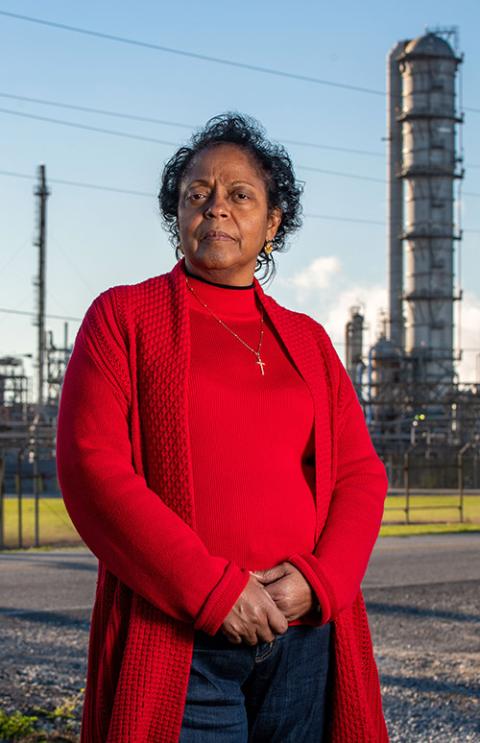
224	300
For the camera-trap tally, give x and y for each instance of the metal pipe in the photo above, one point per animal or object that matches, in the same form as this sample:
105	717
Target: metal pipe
395	195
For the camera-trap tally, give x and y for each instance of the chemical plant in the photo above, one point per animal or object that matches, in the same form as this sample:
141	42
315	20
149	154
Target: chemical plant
415	407
424	423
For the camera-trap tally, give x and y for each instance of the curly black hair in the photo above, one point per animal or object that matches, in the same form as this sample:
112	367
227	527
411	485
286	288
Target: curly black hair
283	191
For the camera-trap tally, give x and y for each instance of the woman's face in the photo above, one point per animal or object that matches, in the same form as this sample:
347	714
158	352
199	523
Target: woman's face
223	216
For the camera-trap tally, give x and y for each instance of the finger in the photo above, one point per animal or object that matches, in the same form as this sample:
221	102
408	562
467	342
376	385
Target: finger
278	598
284	607
250	637
270	594
277	621
269	575
280	588
266	635
231	637
288	597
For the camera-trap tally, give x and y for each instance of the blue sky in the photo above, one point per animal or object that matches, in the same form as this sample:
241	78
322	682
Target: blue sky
98	238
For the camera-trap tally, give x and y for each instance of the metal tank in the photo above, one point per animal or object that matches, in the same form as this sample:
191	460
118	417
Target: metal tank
354	347
386	372
427	119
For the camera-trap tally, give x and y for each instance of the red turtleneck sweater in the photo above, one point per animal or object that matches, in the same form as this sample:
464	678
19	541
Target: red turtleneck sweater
251	434
126	473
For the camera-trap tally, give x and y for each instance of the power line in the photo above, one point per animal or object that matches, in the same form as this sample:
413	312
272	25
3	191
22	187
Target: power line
309	168
13	311
148	195
192	55
339	173
154	140
34	314
343	219
87	127
196	55
102	111
351	150
203	57
117	133
164	122
144	194
69	260
15	253
79	184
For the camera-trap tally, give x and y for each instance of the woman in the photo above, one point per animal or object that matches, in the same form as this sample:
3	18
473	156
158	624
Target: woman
213	455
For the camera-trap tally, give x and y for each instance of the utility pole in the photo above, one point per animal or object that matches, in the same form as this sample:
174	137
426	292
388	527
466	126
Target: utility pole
42	193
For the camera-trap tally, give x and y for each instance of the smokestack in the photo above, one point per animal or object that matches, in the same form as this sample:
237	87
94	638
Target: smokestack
428	67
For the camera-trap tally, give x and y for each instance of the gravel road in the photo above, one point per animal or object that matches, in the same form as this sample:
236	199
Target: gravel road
423	597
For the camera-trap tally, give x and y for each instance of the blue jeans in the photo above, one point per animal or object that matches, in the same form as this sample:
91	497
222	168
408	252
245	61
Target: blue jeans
266	693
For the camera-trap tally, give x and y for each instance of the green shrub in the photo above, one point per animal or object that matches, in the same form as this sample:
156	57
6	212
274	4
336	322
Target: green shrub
12	726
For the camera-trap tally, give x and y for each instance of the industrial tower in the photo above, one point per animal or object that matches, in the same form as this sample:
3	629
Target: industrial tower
417	411
423	166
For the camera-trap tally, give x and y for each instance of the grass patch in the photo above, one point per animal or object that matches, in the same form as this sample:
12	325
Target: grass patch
426	513
408	530
56	528
431	508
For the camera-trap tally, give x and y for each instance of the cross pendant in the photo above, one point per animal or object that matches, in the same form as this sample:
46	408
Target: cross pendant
262	364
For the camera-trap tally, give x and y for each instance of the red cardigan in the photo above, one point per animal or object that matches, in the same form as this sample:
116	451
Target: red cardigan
251	435
125	470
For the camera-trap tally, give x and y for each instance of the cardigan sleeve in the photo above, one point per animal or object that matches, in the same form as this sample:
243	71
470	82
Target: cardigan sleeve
124	523
338	564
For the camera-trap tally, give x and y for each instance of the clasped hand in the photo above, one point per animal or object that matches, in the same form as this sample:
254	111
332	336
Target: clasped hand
270	600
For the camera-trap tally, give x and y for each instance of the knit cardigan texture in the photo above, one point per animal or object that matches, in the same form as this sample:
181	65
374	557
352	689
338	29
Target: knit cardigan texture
124	466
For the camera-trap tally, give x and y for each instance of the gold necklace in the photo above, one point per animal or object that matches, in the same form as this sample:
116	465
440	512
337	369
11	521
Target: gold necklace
257	352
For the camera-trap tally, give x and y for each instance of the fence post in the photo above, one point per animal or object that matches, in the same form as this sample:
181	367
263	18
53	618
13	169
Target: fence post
2	503
19	498
461	483
36	496
406	482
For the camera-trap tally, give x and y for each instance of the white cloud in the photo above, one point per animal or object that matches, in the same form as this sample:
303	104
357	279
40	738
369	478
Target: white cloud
469	367
372	301
317	275
324	291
